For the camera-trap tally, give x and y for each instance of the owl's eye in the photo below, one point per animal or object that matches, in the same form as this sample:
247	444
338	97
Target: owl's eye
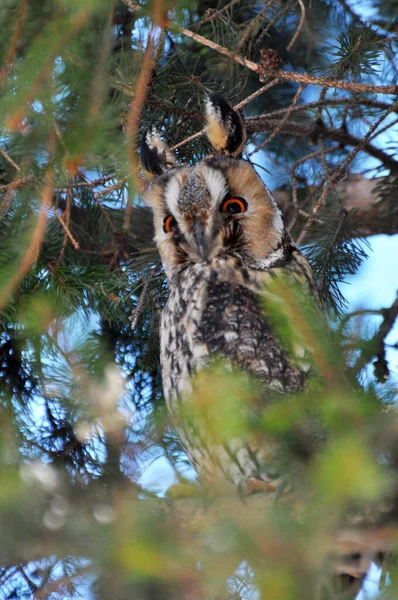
169	223
233	205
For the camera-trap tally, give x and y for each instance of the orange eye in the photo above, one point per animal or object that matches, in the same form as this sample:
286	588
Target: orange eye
234	205
168	223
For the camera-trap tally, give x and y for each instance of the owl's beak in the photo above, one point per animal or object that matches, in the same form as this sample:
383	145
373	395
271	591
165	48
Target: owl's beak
200	238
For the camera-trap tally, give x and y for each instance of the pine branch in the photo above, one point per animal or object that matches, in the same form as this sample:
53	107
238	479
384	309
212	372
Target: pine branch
287	76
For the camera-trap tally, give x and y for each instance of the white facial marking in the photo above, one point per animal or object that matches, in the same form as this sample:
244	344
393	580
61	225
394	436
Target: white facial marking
171	194
216	183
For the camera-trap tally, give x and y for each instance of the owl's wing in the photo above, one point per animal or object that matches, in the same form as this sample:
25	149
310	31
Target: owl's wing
234	327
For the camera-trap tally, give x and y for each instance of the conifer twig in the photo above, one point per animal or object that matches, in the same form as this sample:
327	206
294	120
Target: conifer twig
135	315
221	49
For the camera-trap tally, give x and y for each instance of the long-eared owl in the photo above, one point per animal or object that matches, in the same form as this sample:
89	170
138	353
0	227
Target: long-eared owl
221	237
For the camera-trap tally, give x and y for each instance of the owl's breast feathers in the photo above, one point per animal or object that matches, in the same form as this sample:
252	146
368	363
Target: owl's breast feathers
215	310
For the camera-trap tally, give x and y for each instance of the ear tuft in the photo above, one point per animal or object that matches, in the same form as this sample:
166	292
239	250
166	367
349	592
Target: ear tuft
225	128
155	155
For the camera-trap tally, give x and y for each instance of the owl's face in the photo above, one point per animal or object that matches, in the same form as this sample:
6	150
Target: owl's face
218	208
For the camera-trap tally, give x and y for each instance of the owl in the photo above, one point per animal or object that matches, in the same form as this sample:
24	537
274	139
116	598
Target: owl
221	238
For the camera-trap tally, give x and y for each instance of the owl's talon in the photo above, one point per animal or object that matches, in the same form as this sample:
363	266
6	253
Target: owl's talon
252	485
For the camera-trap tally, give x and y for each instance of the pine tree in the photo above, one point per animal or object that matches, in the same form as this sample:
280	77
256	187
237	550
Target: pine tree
82	287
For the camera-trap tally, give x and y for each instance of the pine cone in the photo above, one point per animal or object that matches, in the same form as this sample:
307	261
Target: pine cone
270	59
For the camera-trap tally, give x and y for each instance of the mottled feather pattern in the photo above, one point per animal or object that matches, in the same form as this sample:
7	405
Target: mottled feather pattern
214	310
224	243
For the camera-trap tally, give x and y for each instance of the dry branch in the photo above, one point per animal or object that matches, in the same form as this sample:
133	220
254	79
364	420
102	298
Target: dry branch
311	130
287	76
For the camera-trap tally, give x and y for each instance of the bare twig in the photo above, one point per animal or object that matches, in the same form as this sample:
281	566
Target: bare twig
293	170
9	159
65	227
300	25
205	42
287	76
256	94
334	83
215	14
251	26
283	120
341	172
310	129
317	103
111	188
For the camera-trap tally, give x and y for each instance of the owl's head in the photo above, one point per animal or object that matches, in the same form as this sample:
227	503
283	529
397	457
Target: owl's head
217	208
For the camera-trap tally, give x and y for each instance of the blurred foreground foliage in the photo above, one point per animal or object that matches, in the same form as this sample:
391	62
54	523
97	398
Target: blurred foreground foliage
82	413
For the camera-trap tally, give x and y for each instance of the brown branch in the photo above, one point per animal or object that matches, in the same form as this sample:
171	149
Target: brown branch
317	103
251	26
343	169
299	27
214	14
310	130
256	94
65	227
332	83
9	159
293	170
287	76
134	115
32	251
221	50
15	38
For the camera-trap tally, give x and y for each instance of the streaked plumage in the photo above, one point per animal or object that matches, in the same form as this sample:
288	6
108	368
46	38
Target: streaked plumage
222	238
